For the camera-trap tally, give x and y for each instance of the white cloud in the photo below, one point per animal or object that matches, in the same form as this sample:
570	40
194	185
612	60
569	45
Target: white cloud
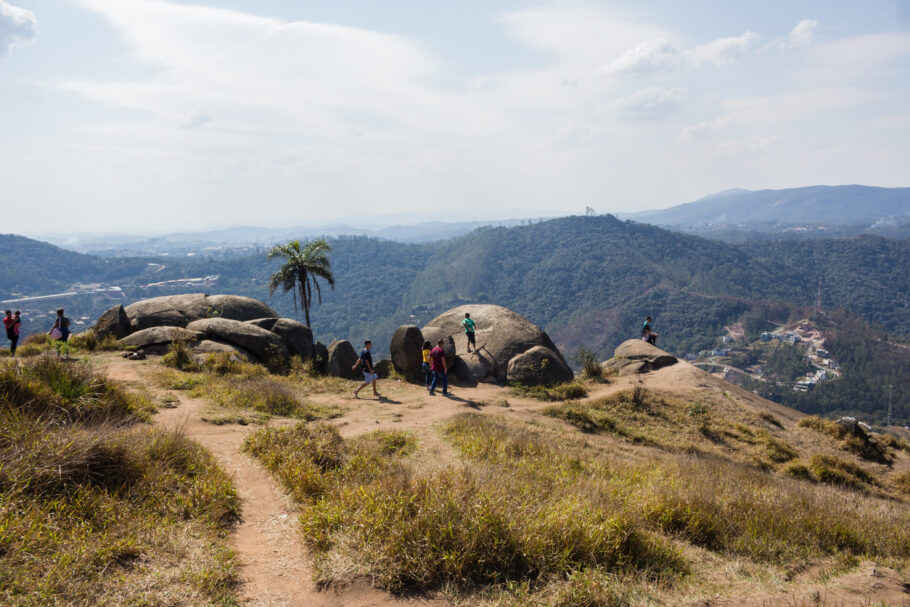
645	59
705	129
16	25
650	103
197	117
724	50
740	147
803	34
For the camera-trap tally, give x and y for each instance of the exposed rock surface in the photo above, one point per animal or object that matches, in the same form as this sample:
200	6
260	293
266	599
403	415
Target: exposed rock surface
210	346
264	344
296	336
264	323
341	357
383	368
237	307
113	322
320	357
159	335
501	335
638	356
180	310
538	366
405	349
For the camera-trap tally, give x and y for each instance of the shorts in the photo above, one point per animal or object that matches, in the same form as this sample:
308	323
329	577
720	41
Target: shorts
369	377
470	335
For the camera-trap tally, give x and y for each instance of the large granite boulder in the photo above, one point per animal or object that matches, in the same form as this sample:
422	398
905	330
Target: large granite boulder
638	356
320	357
265	345
341	358
434	334
264	323
166	311
113	322
538	366
159	335
210	346
180	310
383	367
405	349
501	335
237	307
296	336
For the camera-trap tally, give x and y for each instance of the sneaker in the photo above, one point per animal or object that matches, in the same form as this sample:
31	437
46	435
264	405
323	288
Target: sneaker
432	393
445	393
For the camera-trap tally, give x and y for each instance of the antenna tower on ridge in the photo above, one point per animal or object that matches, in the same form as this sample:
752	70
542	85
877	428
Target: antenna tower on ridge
590	212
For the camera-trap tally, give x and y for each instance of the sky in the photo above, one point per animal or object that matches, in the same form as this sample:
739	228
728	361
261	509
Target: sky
139	116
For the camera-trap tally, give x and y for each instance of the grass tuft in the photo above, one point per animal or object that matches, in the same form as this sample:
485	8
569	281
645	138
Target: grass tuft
568	391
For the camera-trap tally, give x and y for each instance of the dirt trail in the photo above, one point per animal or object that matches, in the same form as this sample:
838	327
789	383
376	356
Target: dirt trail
275	566
274	562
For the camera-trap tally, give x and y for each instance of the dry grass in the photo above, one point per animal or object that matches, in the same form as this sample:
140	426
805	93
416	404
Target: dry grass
558	392
858	443
535	515
262	394
97	509
642	417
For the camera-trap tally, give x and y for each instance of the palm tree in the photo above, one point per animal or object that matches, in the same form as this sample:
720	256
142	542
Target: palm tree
300	271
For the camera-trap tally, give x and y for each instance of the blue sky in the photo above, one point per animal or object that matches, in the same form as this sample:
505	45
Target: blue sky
153	115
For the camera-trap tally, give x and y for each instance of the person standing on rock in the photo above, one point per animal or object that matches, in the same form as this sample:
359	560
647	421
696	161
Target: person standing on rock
440	369
369	374
425	353
12	324
469	326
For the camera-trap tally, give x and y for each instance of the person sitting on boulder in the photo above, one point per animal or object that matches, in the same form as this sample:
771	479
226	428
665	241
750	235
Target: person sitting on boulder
369	374
425	352
647	332
469	326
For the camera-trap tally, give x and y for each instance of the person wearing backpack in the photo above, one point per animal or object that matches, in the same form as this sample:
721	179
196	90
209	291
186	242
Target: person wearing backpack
12	324
61	329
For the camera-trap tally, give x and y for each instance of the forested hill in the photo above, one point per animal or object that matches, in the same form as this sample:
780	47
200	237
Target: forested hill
32	267
587	280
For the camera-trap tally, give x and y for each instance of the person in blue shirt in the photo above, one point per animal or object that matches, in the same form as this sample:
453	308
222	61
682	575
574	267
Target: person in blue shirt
369	374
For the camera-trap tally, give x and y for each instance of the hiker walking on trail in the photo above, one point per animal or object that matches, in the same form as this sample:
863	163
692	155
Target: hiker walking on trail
61	329
12	324
425	353
469	326
647	332
440	369
369	373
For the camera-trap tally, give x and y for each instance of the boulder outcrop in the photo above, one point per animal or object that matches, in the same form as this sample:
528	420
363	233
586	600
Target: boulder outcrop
341	357
296	336
405	349
211	346
264	344
180	310
159	335
501	335
638	356
538	366
113	322
320	357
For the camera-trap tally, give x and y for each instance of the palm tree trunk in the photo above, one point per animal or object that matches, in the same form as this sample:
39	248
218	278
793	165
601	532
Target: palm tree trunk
304	296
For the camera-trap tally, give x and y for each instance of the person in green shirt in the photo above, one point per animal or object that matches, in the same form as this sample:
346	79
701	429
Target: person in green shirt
469	326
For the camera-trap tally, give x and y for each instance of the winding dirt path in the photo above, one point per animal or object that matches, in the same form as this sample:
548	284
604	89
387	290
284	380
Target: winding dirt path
274	563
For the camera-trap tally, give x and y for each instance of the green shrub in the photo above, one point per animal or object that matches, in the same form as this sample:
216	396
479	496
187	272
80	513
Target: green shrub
567	391
588	361
179	356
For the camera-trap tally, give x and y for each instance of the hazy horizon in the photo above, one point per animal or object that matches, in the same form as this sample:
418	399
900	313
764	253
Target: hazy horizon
164	116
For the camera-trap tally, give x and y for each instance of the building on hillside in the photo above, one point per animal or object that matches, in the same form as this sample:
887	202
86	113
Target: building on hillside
765	336
821	352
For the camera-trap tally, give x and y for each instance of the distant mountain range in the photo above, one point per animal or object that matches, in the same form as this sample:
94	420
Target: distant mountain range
252	236
814	211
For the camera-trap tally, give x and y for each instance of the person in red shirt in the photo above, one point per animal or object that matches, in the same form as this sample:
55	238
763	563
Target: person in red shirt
439	368
11	324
